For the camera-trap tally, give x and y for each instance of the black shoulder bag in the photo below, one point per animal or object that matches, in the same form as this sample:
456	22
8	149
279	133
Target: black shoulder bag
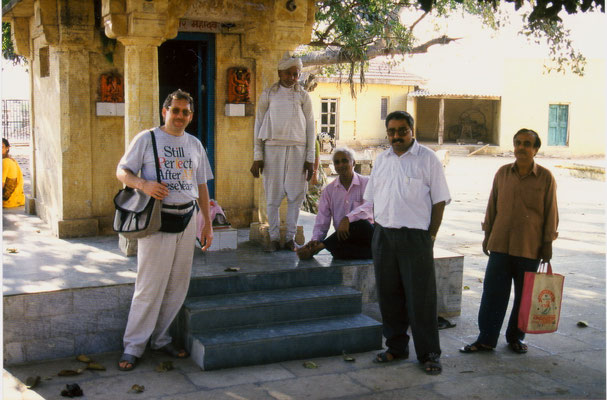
137	214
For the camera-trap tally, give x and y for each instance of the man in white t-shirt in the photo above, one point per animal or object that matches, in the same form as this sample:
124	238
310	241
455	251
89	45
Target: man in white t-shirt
409	192
164	258
284	148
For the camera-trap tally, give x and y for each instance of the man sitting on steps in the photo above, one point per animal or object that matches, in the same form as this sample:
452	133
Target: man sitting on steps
342	201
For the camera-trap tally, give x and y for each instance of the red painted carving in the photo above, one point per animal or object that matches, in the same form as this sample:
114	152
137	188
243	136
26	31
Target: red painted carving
112	88
239	83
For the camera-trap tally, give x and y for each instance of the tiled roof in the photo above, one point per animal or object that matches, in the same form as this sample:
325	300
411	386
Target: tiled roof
380	72
454	93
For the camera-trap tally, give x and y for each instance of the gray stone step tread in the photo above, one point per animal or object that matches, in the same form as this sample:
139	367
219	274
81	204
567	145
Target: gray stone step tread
299	328
238	300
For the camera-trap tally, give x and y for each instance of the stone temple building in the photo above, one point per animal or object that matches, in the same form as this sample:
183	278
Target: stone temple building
100	69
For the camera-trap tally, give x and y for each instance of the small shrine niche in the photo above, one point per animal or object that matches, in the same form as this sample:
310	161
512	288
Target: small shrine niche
239	85
112	88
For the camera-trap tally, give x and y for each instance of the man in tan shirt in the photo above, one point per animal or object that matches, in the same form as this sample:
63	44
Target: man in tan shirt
520	224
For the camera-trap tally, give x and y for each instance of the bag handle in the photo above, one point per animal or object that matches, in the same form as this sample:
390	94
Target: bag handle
547	266
155	156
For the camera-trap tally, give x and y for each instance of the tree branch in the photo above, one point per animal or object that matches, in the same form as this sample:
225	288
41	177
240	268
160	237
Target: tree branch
418	20
337	56
423	48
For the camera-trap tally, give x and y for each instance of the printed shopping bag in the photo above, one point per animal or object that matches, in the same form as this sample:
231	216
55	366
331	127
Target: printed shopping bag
541	301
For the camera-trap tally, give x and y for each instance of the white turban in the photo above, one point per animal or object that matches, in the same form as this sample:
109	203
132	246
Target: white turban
287	62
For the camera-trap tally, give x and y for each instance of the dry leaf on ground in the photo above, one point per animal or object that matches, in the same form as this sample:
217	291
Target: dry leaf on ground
84	358
137	388
95	366
164	366
310	364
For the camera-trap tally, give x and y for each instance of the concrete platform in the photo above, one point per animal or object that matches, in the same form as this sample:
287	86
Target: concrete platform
568	364
69	296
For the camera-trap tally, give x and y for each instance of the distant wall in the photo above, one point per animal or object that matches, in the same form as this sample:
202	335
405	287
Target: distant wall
529	91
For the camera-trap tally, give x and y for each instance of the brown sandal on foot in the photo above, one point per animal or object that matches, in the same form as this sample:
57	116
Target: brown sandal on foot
388	356
518	347
475	347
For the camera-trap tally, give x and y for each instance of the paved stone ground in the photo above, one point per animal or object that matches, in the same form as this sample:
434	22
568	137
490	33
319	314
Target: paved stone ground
569	364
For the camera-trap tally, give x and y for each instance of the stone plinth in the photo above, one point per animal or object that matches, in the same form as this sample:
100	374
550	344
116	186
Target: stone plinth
260	233
449	269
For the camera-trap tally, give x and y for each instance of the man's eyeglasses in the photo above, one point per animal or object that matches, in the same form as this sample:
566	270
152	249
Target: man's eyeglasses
177	110
401	131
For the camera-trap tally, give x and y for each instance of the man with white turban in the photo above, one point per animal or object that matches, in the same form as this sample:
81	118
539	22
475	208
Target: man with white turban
284	148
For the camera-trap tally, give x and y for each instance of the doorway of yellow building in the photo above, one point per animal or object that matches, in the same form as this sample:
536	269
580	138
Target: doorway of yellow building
188	63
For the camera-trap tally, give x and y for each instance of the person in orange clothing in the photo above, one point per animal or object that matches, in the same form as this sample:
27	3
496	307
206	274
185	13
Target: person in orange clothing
12	179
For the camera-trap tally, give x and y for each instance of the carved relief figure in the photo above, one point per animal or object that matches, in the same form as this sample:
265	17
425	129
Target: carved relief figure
239	82
112	88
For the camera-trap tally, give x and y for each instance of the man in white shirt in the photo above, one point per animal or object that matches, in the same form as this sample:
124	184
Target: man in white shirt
164	258
409	192
284	148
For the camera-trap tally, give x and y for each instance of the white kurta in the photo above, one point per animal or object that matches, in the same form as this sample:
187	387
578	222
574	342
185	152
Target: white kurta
284	140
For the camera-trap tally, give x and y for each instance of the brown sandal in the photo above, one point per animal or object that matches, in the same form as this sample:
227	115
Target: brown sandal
475	347
388	356
431	364
518	347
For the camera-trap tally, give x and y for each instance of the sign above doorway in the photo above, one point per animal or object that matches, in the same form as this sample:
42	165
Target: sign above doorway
192	25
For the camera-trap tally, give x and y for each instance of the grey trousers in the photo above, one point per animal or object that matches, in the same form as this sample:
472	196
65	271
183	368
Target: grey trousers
406	285
164	265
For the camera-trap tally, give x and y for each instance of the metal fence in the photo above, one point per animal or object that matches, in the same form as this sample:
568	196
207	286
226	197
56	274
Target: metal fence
16	121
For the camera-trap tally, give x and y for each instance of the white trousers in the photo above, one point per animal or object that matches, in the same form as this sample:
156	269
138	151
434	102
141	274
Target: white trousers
284	176
164	265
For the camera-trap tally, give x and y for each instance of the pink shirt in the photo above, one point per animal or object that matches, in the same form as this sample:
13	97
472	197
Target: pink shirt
337	202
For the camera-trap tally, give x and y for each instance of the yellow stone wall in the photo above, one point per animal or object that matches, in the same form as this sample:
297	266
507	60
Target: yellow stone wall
75	152
107	141
360	120
234	185
528	92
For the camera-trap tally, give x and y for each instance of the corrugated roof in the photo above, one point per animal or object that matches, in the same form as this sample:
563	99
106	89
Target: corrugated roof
454	93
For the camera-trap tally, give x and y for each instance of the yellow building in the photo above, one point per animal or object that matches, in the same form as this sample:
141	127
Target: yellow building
567	111
360	121
151	48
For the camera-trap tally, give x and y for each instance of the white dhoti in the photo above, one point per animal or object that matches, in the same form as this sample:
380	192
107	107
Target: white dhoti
283	175
164	265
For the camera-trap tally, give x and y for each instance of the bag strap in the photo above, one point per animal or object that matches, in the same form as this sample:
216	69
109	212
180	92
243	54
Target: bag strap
547	266
155	156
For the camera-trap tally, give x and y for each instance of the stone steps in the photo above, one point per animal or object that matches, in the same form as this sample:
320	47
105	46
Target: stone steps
289	340
249	319
252	308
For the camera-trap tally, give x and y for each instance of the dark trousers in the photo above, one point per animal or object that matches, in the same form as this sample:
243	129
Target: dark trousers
356	246
406	285
502	269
